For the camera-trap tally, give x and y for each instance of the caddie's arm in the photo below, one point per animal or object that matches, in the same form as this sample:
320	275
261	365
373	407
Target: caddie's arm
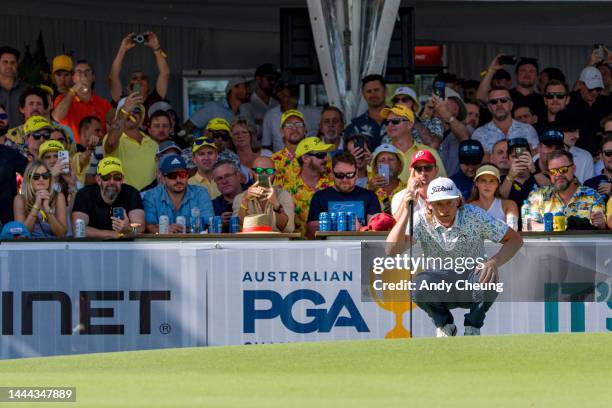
398	241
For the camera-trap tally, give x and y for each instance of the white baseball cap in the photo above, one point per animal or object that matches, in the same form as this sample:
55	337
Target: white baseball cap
591	77
442	188
409	92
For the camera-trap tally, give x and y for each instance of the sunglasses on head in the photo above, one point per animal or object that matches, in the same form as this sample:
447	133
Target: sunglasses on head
177	174
397	121
554	95
559	170
318	155
116	177
264	170
495	101
3	116
339	175
607	153
202	140
38	135
427	168
45	175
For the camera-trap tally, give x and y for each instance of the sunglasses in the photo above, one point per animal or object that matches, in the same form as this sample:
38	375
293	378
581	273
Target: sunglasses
294	125
554	95
607	153
221	135
202	140
177	174
397	121
38	135
264	170
45	176
402	99
494	101
318	155
559	170
116	177
3	116
427	168
345	175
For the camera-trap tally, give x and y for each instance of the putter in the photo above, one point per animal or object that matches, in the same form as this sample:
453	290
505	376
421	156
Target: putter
411	230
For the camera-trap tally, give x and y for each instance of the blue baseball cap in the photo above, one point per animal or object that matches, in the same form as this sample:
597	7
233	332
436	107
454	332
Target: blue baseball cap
552	137
172	163
15	229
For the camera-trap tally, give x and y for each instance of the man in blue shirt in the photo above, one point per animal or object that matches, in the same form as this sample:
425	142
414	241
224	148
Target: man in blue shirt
174	196
371	123
470	158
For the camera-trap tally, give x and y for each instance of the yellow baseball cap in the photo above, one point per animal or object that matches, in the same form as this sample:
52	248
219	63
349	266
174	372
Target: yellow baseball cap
36	123
218	124
399	110
61	63
312	144
291	113
50	146
201	142
109	165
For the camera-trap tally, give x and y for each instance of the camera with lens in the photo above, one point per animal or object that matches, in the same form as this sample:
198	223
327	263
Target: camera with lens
140	38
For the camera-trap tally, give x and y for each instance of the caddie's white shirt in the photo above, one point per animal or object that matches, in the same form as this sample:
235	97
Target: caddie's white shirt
396	204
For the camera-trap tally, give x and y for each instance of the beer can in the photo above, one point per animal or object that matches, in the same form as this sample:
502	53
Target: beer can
234	225
333	225
182	222
164	224
341	222
559	222
548	222
351	219
324	222
218	224
80	229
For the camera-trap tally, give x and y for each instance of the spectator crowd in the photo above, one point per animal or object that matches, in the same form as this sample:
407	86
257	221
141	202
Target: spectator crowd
74	162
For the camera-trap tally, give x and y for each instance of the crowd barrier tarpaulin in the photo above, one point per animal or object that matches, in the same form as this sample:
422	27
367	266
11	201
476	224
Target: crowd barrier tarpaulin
70	298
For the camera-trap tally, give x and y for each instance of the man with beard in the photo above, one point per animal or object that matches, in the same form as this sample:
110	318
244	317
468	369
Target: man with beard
293	127
499	157
133	147
371	123
502	126
262	99
227	177
159	126
569	125
174	196
556	99
566	195
472	118
344	192
331	127
11	87
95	203
237	93
33	101
470	158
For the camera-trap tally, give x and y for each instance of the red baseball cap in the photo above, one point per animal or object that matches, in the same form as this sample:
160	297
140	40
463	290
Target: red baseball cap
423	155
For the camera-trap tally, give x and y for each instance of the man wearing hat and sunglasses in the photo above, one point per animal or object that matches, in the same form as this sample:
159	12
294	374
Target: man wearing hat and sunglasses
99	204
37	130
447	229
204	156
426	131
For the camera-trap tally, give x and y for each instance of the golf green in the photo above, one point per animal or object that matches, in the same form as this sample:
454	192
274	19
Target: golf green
527	370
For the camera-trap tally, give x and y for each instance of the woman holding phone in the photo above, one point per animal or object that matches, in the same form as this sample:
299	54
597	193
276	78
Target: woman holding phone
39	207
485	194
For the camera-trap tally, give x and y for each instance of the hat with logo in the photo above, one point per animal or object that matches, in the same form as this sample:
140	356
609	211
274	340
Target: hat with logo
312	144
422	155
14	229
201	142
236	81
257	223
36	123
216	124
409	92
442	188
50	146
61	63
488	169
267	70
167	145
470	152
291	113
110	165
591	77
387	148
399	110
172	163
552	138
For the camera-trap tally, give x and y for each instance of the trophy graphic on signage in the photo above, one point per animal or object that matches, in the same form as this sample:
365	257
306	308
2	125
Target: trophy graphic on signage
394	301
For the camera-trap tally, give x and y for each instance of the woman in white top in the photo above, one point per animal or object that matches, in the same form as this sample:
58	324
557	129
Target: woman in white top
485	194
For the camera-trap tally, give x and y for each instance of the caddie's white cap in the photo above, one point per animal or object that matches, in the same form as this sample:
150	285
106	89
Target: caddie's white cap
442	188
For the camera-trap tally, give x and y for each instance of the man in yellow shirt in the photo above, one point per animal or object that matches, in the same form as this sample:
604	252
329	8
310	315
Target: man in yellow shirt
133	147
204	155
400	120
293	129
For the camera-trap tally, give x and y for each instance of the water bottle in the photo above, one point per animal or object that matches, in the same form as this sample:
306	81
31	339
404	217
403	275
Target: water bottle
525	215
195	220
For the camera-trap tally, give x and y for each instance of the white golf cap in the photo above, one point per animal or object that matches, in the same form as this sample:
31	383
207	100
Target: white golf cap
592	78
442	188
409	92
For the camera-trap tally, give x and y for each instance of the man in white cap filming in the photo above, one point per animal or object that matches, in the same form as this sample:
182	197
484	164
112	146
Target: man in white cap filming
448	229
